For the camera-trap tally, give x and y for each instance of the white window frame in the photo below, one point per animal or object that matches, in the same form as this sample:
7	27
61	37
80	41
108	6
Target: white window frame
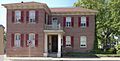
68	21
31	39
17	16
32	16
68	41
17	39
83	21
83	41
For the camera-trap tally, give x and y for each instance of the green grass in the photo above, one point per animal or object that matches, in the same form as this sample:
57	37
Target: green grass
89	55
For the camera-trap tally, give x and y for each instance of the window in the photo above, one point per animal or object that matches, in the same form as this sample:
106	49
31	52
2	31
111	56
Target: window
46	19
31	40
68	41
32	16
68	21
17	40
83	21
83	41
17	16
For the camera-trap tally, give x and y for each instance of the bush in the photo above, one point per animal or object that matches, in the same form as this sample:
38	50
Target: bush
108	51
118	52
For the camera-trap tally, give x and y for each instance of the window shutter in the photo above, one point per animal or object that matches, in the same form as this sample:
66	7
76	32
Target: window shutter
87	21
79	21
22	38
64	21
36	16
36	40
72	22
26	40
27	16
72	41
13	16
64	41
22	16
12	40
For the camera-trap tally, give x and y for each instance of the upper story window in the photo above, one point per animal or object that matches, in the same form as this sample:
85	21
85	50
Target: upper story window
83	21
31	40
68	41
17	16
17	40
83	42
68	21
32	16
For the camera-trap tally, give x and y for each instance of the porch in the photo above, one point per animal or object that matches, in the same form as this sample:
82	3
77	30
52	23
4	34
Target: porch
52	44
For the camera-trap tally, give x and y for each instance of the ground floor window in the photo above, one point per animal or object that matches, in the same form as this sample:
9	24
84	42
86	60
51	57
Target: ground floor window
31	40
83	42
68	41
17	39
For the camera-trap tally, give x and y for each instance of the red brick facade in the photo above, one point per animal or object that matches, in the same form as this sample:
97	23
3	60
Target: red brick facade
25	28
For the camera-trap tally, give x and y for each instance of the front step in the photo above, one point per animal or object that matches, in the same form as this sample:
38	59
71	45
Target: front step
52	55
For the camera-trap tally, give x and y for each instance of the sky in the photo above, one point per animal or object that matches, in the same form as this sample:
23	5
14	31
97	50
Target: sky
50	3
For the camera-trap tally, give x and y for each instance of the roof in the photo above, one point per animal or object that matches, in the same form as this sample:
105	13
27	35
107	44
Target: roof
72	9
28	3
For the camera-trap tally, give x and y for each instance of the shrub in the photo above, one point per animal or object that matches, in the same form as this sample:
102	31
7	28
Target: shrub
118	52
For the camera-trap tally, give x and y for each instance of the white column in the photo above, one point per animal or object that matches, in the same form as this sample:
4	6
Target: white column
59	46
45	46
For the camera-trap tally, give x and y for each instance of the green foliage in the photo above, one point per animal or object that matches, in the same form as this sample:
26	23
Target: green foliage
118	47
107	19
118	52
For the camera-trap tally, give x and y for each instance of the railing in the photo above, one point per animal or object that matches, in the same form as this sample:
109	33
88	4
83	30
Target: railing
53	27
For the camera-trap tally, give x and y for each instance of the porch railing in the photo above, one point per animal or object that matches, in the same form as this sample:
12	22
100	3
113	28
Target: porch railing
53	27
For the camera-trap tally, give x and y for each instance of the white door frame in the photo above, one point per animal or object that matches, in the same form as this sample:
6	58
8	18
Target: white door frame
46	44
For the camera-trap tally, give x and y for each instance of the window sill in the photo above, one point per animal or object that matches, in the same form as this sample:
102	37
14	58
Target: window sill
68	27
32	23
17	23
84	47
68	46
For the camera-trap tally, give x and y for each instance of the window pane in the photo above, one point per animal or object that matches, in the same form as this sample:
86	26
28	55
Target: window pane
68	21
17	40
68	41
17	16
83	41
32	16
83	21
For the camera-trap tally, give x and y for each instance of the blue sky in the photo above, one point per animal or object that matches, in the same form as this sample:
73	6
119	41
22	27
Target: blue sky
50	3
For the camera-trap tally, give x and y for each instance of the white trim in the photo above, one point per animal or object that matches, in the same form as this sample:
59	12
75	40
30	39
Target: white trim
59	45
45	46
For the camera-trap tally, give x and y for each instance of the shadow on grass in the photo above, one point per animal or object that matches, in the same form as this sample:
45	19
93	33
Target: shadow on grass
79	55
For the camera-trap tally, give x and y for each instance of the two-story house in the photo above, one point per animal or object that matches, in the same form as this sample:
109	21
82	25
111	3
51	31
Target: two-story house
34	29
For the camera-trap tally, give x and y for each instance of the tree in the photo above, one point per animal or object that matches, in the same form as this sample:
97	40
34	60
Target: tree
107	19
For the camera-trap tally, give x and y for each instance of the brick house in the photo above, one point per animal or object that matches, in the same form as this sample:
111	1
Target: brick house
34	29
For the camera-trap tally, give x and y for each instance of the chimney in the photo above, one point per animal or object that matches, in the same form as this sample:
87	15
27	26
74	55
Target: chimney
22	2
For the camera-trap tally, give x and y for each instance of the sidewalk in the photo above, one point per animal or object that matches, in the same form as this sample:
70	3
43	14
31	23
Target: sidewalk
65	59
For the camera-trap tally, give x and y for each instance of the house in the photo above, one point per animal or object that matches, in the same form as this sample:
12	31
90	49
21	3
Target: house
34	29
1	40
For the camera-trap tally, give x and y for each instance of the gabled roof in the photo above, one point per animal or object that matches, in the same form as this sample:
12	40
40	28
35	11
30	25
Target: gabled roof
72	9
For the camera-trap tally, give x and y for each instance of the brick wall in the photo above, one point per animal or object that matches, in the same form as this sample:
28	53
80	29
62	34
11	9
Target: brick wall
77	31
25	28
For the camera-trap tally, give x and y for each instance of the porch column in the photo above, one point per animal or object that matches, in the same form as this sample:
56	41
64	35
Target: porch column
45	46
59	46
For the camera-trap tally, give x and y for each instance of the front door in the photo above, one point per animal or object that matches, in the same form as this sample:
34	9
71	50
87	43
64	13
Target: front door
54	43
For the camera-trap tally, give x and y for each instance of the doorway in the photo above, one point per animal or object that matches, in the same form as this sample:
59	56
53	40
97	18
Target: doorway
54	43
